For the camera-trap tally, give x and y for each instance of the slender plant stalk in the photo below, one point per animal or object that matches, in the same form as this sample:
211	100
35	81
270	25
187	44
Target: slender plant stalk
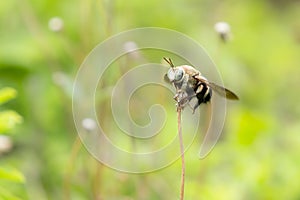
97	181
181	152
70	167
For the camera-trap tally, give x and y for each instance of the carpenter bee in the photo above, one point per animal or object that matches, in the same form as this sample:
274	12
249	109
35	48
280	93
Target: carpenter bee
189	83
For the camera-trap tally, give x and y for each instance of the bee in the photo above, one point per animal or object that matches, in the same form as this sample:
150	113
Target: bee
189	84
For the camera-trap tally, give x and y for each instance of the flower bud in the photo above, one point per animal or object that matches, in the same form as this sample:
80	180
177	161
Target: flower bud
88	124
223	29
56	24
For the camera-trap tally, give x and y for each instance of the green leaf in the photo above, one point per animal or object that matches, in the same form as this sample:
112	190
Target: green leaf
12	184
11	175
8	120
5	194
7	94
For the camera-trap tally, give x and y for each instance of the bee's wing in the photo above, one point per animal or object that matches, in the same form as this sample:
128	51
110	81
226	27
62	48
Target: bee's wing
224	92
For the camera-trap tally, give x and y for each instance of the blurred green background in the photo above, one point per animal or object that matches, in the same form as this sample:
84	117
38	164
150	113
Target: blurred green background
259	154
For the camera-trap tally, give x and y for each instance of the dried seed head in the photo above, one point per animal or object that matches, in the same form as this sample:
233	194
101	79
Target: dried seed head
89	124
132	49
130	46
223	29
56	24
5	144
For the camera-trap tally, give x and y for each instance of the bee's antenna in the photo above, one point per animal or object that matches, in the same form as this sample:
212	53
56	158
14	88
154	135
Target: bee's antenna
169	61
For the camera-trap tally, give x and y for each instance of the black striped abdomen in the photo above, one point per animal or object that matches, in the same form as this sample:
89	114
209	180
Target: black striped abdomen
203	93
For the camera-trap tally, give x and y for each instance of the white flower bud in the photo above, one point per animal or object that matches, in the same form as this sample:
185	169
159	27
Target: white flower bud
56	24
132	48
89	124
223	29
5	144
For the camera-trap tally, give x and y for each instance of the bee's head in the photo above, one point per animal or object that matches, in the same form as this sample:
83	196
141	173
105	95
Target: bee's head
175	74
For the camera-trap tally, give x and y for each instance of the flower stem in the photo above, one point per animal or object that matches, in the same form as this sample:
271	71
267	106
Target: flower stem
181	152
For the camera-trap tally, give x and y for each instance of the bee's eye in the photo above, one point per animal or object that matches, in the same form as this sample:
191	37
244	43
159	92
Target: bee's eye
175	74
171	75
178	74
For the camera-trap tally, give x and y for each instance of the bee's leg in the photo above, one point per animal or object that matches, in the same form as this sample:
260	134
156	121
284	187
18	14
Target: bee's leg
196	106
189	103
191	107
180	97
182	103
196	74
184	99
176	96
